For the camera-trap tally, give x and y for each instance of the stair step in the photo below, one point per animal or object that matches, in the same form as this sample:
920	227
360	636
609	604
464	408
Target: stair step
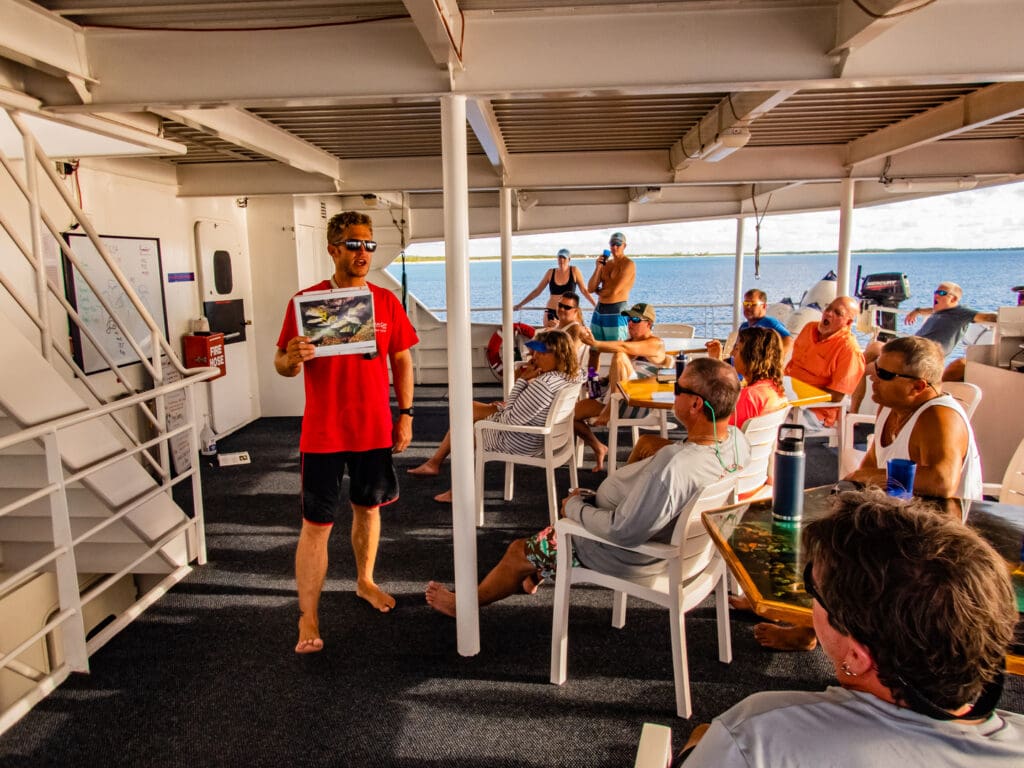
81	503
33	392
14	528
27	447
92	558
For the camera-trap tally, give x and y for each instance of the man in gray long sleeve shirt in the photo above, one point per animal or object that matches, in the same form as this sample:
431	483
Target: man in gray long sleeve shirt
638	503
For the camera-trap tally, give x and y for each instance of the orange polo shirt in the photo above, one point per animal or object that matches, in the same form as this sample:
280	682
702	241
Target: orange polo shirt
835	363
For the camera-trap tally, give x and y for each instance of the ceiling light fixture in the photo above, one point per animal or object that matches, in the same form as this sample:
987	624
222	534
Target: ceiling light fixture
724	144
905	185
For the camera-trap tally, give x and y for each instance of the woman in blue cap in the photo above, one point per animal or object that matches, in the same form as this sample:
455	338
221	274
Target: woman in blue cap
564	278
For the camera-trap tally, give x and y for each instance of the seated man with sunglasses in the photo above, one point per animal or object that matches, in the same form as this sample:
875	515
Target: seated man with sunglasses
638	503
347	422
638	357
915	613
916	421
946	325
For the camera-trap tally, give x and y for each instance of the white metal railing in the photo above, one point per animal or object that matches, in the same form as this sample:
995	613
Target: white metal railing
148	404
712	320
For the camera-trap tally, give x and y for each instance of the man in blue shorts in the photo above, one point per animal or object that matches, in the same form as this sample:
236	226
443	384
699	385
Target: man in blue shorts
347	422
611	282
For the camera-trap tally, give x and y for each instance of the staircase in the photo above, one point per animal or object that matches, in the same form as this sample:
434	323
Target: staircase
90	535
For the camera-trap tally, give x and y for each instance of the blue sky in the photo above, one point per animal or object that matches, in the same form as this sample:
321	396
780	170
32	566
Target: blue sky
983	218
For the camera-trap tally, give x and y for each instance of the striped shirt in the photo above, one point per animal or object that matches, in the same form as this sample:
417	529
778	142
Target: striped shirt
527	405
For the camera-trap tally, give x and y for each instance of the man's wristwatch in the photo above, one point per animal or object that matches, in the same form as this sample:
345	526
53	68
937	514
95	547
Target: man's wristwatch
405	411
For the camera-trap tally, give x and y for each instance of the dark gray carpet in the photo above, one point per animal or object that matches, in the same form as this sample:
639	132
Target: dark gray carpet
207	676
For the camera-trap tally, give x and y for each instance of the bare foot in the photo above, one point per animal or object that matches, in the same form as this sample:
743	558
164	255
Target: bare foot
375	596
740	603
440	598
531	583
444	498
785	638
599	456
426	469
309	636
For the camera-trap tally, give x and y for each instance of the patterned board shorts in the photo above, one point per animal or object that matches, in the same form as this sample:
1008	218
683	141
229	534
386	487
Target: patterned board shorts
609	325
542	551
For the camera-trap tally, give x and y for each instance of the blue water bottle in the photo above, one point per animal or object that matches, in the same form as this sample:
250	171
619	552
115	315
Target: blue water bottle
788	483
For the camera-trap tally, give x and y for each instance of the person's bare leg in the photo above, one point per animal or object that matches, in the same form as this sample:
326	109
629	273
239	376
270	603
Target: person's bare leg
432	466
646	446
310	572
365	538
785	638
586	409
620	369
506	578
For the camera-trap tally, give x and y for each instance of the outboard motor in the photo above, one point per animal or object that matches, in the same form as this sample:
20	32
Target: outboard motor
883	292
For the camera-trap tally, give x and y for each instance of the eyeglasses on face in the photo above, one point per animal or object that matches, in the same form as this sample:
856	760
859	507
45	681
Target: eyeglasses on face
566	307
811	588
941	292
636	319
616	243
752	303
886	375
355	245
686	391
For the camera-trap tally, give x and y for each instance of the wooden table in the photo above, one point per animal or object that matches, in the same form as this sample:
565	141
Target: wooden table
764	554
649	393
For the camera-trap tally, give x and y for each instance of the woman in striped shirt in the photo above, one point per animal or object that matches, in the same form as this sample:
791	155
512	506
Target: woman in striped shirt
552	367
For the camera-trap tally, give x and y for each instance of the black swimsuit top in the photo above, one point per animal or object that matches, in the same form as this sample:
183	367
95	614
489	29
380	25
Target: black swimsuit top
558	290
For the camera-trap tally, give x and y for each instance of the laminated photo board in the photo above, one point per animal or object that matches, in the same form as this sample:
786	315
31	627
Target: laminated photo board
337	322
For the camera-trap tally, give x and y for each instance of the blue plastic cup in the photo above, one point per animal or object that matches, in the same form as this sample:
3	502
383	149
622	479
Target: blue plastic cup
900	478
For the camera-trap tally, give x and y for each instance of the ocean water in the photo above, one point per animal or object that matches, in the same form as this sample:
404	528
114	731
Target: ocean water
986	277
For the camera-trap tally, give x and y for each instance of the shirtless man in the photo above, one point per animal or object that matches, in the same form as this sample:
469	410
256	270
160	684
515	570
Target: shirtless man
639	357
916	421
946	324
611	282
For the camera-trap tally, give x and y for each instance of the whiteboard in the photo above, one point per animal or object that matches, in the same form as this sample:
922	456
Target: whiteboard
139	259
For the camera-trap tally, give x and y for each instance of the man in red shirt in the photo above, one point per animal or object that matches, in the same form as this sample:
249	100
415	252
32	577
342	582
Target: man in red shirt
826	355
347	423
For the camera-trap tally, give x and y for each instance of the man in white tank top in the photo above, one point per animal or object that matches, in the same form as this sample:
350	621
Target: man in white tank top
917	421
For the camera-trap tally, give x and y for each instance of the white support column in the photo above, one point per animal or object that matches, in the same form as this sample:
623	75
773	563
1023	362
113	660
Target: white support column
507	302
845	228
737	285
460	368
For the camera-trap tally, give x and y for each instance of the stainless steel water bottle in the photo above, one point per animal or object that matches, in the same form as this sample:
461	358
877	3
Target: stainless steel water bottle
788	482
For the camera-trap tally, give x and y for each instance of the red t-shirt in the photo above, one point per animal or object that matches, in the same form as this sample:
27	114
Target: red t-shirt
347	396
756	399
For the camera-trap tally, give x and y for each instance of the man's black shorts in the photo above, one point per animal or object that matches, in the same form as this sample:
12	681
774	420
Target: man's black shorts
373	481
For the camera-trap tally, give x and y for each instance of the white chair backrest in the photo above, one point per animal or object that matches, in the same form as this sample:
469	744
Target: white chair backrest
1012	491
690	533
761	432
675	330
968	395
559	421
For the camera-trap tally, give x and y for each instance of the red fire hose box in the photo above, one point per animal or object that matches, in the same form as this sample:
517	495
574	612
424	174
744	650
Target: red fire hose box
204	350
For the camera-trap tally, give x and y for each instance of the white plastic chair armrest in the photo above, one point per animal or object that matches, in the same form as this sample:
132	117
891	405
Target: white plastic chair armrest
496	427
655	747
652	548
991	489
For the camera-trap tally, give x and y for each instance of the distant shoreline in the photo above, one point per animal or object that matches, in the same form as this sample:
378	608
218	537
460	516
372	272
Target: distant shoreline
587	257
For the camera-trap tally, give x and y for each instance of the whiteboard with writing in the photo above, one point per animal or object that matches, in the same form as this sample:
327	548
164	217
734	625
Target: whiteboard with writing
139	259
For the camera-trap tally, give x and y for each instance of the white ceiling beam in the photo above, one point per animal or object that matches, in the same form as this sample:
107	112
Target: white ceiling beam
988	105
481	118
42	40
441	25
737	110
855	28
245	129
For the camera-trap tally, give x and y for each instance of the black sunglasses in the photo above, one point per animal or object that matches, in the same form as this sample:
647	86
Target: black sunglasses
355	245
886	375
566	307
685	391
811	588
941	292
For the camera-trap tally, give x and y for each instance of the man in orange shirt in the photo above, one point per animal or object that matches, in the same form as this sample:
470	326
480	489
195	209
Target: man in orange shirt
827	356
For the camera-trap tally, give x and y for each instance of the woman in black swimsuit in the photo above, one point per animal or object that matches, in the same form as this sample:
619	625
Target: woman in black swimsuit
562	279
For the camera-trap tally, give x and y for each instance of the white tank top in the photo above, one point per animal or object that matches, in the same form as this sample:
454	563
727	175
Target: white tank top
899	448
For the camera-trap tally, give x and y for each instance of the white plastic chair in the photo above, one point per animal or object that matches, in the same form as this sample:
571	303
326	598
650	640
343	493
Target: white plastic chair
558	449
762	433
694	570
657	419
1011	490
850	457
675	330
655	747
